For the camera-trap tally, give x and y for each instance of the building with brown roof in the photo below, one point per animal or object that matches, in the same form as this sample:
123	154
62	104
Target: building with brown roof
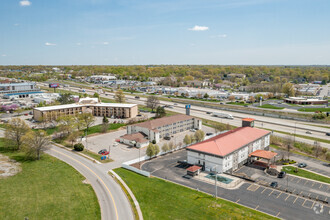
165	127
229	150
137	139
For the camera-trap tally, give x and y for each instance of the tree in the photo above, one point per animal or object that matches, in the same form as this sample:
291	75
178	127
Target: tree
157	150
199	135
96	95
73	137
165	147
231	98
252	99
206	96
88	120
187	139
192	138
171	146
66	125
150	150
65	98
152	102
15	130
78	147
35	143
288	144
160	112
119	96
288	89
105	119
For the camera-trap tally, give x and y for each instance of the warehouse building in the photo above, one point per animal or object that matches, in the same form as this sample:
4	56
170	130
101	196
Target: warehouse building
305	101
159	128
85	105
8	88
228	151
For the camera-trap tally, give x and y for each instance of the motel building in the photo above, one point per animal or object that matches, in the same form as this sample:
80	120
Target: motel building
228	151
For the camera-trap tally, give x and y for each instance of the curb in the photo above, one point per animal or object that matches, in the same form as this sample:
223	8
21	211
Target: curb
136	203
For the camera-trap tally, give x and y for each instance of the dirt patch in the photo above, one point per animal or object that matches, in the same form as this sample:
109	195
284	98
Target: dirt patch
85	181
8	167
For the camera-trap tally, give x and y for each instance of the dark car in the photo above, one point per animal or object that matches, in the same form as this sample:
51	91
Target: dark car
302	165
137	97
167	138
102	151
209	134
208	113
327	134
281	174
274	184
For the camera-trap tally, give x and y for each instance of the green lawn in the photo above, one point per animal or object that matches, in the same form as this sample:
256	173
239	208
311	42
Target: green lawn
46	189
306	174
314	109
269	106
160	199
98	128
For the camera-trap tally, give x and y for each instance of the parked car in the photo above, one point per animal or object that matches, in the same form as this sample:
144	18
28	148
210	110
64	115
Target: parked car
281	174
105	152
308	132
170	106
327	134
175	103
137	97
302	165
274	184
209	134
167	138
208	113
102	151
192	130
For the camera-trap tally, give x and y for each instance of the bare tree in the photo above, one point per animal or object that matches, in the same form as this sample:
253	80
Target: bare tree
288	144
317	148
152	102
35	143
119	96
15	130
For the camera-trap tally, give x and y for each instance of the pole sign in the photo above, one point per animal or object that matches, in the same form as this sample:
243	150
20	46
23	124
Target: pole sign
188	106
54	85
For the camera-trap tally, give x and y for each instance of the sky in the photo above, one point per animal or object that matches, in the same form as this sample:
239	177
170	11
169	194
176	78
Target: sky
143	32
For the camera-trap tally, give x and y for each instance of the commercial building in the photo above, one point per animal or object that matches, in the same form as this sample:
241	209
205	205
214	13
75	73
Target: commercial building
230	150
305	101
159	128
21	95
8	88
91	105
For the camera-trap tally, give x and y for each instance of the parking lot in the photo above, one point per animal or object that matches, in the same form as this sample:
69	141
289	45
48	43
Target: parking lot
262	198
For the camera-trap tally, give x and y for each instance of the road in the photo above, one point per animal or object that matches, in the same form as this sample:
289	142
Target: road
113	201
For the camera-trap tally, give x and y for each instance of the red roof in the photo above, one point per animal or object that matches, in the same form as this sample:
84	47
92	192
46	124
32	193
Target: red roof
226	143
263	154
193	168
248	119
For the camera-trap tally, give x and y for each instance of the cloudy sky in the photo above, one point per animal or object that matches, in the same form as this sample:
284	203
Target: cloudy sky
126	32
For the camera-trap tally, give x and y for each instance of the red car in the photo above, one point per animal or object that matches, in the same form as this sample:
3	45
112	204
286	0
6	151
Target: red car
105	153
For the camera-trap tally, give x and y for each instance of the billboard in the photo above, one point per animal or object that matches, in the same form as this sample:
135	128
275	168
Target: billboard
54	85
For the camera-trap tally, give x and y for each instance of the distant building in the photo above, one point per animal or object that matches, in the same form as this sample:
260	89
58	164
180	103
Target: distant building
91	105
8	88
228	151
159	128
21	95
305	101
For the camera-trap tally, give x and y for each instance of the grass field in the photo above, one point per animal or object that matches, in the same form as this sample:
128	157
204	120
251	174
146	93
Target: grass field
98	128
46	189
160	199
314	109
306	174
269	106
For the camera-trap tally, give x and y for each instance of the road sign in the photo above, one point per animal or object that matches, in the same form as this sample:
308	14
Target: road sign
188	106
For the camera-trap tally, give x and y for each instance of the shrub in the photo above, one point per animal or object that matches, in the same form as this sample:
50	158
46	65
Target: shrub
153	142
327	156
285	163
292	162
79	147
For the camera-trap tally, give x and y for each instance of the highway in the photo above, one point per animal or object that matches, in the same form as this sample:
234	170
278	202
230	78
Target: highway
275	124
113	201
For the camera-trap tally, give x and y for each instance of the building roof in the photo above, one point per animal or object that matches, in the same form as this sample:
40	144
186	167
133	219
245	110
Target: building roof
57	107
226	143
23	93
159	122
193	168
137	137
248	119
263	154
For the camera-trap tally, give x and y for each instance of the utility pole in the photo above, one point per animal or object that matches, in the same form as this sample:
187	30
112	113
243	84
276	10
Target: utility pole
86	139
140	158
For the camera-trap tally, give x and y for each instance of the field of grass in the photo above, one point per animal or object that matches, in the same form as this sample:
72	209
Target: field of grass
269	106
314	109
46	189
96	156
160	199
98	128
306	174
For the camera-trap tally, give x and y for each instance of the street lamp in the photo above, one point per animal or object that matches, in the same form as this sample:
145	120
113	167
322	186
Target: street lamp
215	181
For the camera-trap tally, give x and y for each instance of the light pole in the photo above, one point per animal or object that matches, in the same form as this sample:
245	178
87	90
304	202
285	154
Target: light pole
139	158
109	152
86	139
215	181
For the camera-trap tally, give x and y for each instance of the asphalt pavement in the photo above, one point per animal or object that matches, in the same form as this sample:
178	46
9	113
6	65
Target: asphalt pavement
113	201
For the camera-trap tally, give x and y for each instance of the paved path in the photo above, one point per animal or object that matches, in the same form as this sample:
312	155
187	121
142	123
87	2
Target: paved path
113	201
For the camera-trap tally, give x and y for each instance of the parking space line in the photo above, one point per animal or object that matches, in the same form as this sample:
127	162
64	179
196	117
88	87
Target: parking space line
305	182
293	190
271	193
278	195
320	186
277	214
253	187
299	180
295	200
237	201
263	190
257	207
303	203
313	184
313	205
287	197
309	195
